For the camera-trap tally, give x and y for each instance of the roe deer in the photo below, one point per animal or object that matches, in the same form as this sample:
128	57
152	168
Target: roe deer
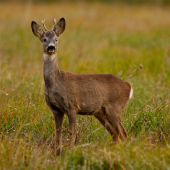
101	95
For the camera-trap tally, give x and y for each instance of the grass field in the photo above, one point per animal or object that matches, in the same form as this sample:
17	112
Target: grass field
131	42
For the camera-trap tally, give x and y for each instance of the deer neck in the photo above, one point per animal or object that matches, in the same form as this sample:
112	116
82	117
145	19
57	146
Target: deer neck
52	74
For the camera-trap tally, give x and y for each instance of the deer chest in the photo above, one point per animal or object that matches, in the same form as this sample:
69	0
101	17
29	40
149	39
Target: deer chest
56	100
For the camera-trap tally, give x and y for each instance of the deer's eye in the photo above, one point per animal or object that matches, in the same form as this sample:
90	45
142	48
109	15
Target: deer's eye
56	40
45	39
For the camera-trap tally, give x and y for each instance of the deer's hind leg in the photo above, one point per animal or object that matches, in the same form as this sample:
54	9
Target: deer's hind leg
115	121
103	120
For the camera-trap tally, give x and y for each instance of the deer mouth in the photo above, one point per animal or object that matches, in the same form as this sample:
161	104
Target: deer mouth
51	50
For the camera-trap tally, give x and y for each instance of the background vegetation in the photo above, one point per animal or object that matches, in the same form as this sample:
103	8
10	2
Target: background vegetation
131	42
129	2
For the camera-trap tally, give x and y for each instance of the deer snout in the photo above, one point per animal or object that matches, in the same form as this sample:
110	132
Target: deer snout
51	49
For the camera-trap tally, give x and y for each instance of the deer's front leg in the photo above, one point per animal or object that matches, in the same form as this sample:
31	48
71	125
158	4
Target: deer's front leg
72	127
58	116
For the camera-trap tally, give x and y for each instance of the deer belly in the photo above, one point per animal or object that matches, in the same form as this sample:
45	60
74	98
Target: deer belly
89	101
89	106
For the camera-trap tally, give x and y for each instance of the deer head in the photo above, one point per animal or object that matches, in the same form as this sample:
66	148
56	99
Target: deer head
49	38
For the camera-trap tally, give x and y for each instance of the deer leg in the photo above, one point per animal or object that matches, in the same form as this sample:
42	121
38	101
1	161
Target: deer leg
123	130
58	116
102	119
72	128
116	124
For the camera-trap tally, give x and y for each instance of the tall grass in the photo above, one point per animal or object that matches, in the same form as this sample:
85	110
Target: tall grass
132	43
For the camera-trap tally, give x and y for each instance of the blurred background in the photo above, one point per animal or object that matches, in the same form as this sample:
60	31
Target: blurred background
163	2
127	38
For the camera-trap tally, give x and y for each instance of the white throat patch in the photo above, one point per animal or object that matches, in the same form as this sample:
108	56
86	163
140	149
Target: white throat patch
48	57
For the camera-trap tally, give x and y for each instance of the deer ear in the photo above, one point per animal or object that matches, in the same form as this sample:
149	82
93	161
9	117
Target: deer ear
37	29
59	27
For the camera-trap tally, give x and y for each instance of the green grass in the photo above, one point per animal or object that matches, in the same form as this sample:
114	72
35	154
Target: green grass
130	42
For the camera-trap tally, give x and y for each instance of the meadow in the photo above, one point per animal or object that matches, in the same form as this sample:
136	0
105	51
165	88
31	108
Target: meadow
131	42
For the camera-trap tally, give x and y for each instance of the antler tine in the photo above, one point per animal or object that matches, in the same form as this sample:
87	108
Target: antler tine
54	21
43	23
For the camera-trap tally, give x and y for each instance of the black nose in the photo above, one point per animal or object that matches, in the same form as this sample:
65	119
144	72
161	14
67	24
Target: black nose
51	48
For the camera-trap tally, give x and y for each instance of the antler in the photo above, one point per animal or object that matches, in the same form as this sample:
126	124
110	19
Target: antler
54	21
43	23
